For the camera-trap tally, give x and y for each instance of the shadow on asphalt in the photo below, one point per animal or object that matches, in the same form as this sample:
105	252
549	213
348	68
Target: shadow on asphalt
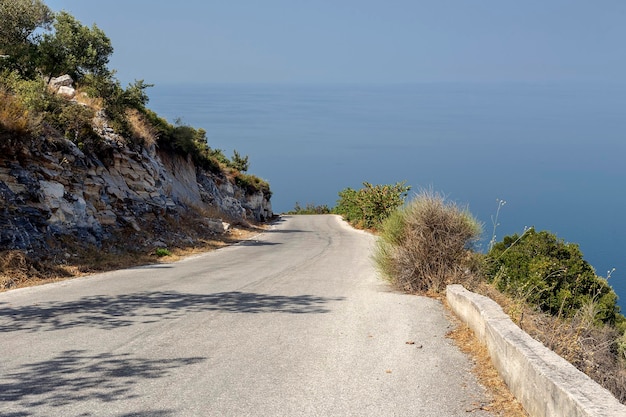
76	376
287	231
257	243
109	312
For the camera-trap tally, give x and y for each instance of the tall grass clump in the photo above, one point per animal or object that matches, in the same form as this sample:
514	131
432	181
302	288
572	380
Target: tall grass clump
426	244
14	117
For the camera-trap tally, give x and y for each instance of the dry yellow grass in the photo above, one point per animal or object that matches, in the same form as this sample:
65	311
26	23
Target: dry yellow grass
82	97
14	117
17	271
141	128
589	347
502	401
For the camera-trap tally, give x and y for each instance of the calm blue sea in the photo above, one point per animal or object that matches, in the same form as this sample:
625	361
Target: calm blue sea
554	152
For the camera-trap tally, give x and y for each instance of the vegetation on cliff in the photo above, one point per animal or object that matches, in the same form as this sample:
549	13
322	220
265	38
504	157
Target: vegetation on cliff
91	178
37	45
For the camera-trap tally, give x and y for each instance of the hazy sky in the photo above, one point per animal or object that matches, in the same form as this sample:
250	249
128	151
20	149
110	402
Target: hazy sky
360	41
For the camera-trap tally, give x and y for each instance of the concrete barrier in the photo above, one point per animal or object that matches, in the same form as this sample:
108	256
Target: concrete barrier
546	384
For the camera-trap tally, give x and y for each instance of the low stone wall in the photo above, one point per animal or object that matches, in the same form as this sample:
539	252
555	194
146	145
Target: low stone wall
545	383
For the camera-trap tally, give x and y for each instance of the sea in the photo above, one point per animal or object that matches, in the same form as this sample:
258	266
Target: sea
554	152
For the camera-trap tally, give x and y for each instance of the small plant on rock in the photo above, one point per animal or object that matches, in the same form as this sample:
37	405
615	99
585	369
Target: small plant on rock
161	252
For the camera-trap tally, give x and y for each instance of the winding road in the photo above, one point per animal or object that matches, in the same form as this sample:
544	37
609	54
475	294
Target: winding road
295	322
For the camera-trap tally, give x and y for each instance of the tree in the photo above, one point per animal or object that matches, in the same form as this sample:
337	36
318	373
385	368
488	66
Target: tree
19	21
240	163
74	49
136	96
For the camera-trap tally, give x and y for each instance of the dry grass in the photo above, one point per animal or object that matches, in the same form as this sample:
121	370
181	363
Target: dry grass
14	117
423	246
14	268
141	128
96	103
502	402
17	270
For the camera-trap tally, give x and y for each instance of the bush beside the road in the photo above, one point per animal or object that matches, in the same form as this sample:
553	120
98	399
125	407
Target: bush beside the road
369	206
426	245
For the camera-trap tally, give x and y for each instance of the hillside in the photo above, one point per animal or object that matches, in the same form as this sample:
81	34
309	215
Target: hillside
56	198
86	168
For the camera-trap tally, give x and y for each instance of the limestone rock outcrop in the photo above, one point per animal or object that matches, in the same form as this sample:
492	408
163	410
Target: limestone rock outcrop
63	85
51	190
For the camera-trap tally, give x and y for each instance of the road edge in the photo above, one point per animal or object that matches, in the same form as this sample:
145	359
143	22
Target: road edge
545	383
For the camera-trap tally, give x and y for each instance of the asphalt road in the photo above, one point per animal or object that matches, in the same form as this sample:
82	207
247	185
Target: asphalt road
295	322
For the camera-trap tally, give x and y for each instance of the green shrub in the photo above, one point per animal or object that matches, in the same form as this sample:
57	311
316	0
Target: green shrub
116	100
551	274
37	104
162	128
310	208
240	163
34	95
253	184
369	206
189	140
424	245
161	252
76	122
23	104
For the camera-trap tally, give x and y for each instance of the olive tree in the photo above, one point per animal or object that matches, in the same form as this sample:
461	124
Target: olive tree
74	49
19	21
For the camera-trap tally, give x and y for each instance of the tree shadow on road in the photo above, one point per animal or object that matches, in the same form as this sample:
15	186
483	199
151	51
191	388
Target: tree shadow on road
110	312
257	243
287	231
75	376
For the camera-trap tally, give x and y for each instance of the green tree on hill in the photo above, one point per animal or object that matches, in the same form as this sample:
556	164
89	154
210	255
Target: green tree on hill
37	44
19	21
74	49
240	163
34	40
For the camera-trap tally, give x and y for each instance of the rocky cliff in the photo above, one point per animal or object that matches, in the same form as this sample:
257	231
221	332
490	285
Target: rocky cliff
51	192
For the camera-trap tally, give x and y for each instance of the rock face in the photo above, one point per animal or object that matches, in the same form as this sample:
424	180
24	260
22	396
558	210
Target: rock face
50	190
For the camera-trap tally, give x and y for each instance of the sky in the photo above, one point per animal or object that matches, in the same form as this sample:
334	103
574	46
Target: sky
360	41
